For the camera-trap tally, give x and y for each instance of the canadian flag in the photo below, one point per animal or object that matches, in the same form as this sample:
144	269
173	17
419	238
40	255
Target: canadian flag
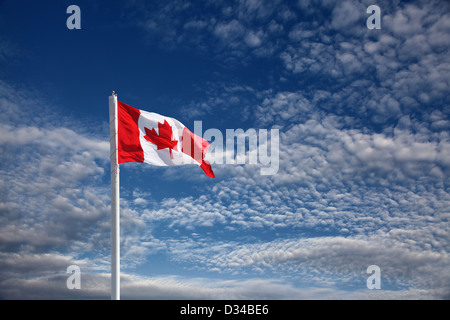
155	139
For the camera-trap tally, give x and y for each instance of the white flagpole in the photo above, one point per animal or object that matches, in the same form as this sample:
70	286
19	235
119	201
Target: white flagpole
115	205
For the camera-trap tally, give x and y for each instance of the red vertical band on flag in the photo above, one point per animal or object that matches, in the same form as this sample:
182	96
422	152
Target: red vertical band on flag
129	145
196	147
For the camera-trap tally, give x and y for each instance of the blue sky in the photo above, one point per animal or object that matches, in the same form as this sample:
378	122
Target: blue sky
364	172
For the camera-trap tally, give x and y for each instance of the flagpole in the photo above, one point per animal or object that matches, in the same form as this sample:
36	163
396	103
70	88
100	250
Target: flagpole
115	204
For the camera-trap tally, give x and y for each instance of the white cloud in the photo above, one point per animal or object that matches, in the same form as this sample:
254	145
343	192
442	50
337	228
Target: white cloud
346	14
229	31
253	39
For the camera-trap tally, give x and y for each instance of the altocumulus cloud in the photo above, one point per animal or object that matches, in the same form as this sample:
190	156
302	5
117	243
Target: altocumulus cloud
364	157
363	177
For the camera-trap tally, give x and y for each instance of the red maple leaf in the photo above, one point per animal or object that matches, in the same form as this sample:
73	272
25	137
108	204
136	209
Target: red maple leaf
162	140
